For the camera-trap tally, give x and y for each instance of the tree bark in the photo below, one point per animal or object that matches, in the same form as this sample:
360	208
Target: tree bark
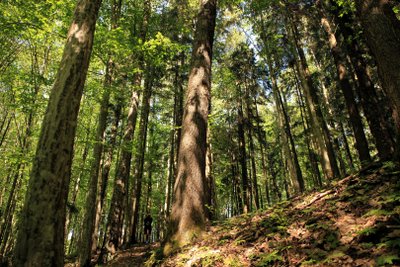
40	240
118	200
139	161
382	32
318	123
373	106
344	82
262	143
188	215
88	239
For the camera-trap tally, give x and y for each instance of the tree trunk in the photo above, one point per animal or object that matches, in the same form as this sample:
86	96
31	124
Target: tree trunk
77	182
373	107
3	136
188	215
88	239
118	200
344	82
382	31
210	182
346	147
106	165
139	161
40	240
318	123
243	158
262	142
287	137
309	141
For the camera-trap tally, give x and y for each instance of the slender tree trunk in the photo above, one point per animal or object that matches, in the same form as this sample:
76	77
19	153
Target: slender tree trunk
287	137
139	161
318	123
92	216
77	182
4	134
188	215
299	182
346	147
262	142
243	158
118	200
88	240
330	120
382	31
106	166
309	141
249	114
40	240
210	191
237	194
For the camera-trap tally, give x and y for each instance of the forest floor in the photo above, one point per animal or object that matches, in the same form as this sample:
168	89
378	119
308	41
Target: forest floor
353	222
135	256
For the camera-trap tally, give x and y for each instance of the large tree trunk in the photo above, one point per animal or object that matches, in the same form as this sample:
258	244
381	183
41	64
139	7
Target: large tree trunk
40	239
188	215
382	31
373	106
344	82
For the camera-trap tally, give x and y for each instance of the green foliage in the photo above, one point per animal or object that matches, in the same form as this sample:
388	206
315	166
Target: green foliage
367	231
387	259
377	212
269	258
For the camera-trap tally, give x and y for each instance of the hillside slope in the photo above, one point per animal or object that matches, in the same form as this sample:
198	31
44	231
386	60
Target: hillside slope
356	222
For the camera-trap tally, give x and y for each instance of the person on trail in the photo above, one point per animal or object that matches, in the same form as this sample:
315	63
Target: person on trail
147	227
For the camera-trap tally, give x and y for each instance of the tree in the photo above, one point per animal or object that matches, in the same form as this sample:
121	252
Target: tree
41	235
344	82
188	215
382	32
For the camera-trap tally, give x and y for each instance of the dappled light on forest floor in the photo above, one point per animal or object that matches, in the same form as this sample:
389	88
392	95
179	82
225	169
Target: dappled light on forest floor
355	223
135	256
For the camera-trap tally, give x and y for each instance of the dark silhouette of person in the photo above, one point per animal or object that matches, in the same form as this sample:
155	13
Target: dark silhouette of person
147	227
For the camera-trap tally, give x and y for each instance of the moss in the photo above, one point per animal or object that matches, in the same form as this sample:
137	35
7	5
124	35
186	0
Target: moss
232	261
387	259
268	259
333	255
377	212
155	258
180	240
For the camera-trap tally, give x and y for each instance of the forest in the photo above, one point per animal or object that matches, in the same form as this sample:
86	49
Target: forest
238	115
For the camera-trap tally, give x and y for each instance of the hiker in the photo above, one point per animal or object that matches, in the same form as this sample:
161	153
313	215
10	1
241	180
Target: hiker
147	227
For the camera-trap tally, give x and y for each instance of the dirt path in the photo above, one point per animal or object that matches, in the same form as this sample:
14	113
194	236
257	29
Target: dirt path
135	256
